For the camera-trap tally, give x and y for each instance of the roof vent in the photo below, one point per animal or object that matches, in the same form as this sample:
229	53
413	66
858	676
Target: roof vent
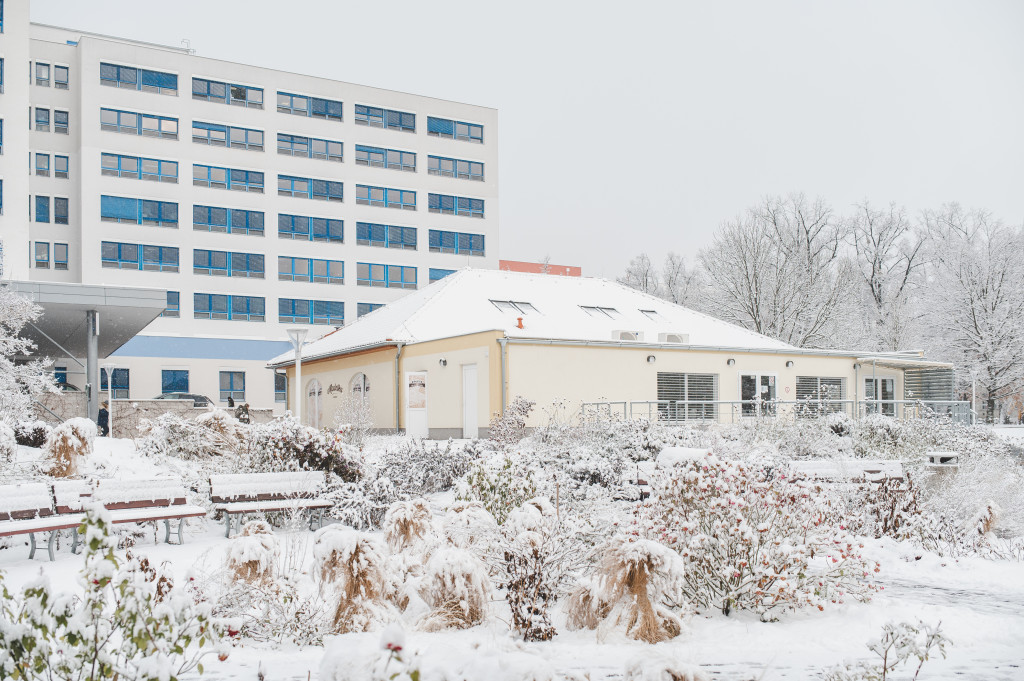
681	338
627	335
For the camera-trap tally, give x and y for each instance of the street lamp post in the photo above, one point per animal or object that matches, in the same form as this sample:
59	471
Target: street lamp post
297	337
109	368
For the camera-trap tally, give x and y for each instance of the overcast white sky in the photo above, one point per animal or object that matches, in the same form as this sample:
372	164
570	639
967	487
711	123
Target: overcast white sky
640	126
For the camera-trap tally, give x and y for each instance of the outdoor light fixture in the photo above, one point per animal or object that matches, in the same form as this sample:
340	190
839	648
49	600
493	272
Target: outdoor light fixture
730	361
651	359
856	367
789	364
443	362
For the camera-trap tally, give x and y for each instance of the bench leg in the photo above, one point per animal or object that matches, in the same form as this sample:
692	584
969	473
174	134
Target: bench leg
167	531
49	544
227	524
32	545
74	541
181	527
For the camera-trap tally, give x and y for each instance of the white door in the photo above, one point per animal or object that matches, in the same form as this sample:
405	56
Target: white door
470	427
881	395
757	393
416	404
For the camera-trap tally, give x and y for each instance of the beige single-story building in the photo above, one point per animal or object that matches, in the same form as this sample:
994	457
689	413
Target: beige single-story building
442	361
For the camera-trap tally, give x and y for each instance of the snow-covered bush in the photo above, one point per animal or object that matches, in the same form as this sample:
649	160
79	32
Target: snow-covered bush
177	436
750	542
408	524
500	484
360	504
660	664
354	563
901	644
353	419
509	427
20	381
635	585
419	467
468	525
456	587
67	443
253	553
8	443
32	433
285	444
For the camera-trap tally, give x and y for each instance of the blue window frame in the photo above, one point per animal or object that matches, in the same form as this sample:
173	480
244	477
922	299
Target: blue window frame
42	119
139	257
437	274
42	74
310	147
42	208
60	77
139	168
385	118
234	308
60	163
304	105
226	93
367	308
300	311
385	158
60	210
386	276
456	205
173	306
310	270
43	165
227	220
120	382
309	188
218	135
173	381
228	264
307	228
60	256
60	122
386	197
60	374
462	243
132	123
280	387
138	79
454	167
43	255
138	211
227	178
385	236
1	125
456	130
232	385
1	73
1	16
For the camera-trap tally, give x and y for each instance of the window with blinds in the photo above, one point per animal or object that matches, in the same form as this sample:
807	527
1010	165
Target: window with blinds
684	397
819	395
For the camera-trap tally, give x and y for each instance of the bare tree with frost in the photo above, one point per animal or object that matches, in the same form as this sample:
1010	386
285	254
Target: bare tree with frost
19	381
641	275
680	283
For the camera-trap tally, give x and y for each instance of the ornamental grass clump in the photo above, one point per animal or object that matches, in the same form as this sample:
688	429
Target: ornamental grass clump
355	565
253	554
67	444
456	587
407	525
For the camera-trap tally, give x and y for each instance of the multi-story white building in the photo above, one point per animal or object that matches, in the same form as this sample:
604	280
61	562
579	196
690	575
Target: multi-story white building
259	200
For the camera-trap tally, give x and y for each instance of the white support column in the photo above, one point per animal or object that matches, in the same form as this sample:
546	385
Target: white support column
92	371
297	336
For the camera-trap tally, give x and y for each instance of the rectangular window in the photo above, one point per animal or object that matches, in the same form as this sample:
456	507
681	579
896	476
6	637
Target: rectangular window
308	188
43	255
219	135
1	74
298	311
173	381
43	165
1	133
225	264
60	256
385	118
309	147
280	387
386	276
224	93
227	220
819	395
367	308
385	236
60	77
133	78
455	205
304	105
386	197
385	158
60	122
60	210
453	167
235	308
456	130
42	74
437	274
138	211
310	270
119	383
687	396
456	242
60	167
139	257
60	374
139	168
42	119
173	308
232	385
307	228
227	178
131	123
42	209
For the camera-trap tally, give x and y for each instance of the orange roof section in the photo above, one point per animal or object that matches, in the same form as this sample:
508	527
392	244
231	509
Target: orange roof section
540	268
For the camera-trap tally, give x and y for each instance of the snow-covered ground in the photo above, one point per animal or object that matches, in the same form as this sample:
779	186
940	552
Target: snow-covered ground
980	604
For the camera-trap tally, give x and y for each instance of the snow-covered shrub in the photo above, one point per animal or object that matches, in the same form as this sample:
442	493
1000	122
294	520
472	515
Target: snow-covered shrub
285	444
500	484
407	524
130	623
353	419
67	443
418	467
360	504
468	525
901	644
509	427
354	563
20	381
8	443
172	435
750	542
636	582
32	433
660	664
456	587
253	553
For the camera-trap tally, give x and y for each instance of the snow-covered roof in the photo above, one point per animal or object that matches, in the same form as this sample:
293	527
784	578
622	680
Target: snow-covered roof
555	308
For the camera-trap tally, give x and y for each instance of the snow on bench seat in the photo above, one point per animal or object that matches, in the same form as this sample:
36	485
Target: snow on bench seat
25	500
70	496
274	505
846	470
118	494
238	494
12	528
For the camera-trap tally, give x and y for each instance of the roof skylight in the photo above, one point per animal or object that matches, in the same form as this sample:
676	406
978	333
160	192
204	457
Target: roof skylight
514	306
595	311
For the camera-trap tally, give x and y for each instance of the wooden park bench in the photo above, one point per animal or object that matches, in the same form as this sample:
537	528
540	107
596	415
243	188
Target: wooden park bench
143	501
238	495
28	508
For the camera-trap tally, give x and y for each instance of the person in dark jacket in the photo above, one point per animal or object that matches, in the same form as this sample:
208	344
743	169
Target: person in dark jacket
103	420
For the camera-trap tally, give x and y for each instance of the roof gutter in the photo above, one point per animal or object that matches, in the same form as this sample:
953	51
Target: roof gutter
329	355
503	342
398	385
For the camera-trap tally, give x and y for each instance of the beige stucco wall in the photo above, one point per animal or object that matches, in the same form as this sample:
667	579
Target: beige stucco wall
335	378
